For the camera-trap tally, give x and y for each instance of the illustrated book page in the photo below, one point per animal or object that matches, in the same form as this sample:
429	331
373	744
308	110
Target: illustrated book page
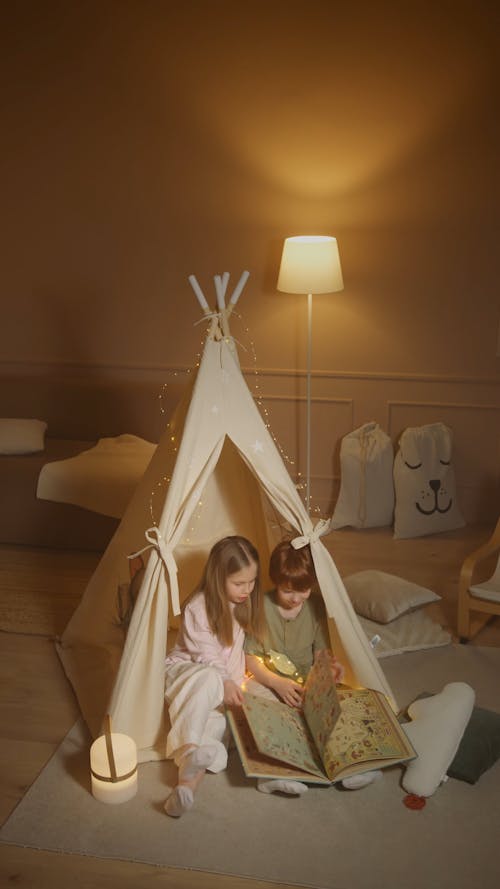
339	732
257	764
366	736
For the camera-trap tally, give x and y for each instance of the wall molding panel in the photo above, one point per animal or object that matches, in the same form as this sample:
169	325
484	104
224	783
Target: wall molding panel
340	402
78	367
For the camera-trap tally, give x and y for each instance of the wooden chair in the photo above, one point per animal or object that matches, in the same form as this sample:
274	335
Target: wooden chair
482	599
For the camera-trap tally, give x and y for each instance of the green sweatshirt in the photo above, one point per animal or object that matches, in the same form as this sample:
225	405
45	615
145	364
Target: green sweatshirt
299	637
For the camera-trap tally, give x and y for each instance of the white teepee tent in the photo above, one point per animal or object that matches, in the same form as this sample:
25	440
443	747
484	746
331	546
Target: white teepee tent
226	468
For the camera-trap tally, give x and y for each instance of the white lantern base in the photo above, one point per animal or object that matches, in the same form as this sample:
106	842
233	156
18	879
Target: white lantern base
120	792
113	767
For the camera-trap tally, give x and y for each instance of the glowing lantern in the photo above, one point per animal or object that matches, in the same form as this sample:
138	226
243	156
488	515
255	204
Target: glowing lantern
113	766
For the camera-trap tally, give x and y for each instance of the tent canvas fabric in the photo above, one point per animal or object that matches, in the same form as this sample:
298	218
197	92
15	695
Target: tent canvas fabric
216	471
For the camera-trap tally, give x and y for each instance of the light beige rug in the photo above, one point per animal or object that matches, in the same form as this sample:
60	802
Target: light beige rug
329	838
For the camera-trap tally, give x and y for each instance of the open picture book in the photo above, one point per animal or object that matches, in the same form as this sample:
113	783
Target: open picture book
338	732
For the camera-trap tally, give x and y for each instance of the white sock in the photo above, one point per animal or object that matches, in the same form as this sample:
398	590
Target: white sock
356	782
281	785
196	760
180	800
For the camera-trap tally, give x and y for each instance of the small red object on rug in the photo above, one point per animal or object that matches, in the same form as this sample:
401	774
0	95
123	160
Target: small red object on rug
412	801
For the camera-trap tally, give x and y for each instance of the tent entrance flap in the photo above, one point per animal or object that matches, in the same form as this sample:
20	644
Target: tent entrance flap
232	502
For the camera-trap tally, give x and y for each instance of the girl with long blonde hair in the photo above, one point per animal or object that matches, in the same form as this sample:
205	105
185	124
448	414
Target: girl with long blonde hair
206	668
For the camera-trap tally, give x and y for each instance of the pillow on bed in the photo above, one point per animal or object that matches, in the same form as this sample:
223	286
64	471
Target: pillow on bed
22	436
384	597
102	478
410	632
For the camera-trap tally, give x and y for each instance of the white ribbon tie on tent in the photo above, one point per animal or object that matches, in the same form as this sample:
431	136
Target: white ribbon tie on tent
158	543
311	536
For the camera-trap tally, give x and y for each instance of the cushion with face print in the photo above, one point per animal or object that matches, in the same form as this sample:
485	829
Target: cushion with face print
424	483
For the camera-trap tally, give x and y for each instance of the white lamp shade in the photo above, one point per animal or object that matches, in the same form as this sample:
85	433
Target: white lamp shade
310	264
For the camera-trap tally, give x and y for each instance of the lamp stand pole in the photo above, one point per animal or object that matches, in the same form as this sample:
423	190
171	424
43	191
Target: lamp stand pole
309	264
308	402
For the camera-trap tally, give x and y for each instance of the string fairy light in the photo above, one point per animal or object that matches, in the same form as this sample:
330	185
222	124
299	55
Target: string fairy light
258	396
160	487
300	484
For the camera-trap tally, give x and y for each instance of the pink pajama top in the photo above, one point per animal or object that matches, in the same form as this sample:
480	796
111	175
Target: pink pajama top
197	643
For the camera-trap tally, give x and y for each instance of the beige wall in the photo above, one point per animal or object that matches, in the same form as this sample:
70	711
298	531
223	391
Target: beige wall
142	143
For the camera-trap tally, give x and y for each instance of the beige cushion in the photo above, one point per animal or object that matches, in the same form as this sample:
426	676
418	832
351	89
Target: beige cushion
384	597
436	729
410	632
22	436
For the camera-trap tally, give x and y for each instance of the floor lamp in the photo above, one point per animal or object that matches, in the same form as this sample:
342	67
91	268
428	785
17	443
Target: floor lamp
310	264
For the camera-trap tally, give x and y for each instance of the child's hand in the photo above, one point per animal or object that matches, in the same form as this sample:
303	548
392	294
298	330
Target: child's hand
289	691
338	669
233	696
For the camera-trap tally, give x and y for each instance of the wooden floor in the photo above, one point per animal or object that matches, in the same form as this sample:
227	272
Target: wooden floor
39	590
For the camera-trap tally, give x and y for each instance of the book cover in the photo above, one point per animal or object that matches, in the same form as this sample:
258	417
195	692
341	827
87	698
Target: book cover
338	732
